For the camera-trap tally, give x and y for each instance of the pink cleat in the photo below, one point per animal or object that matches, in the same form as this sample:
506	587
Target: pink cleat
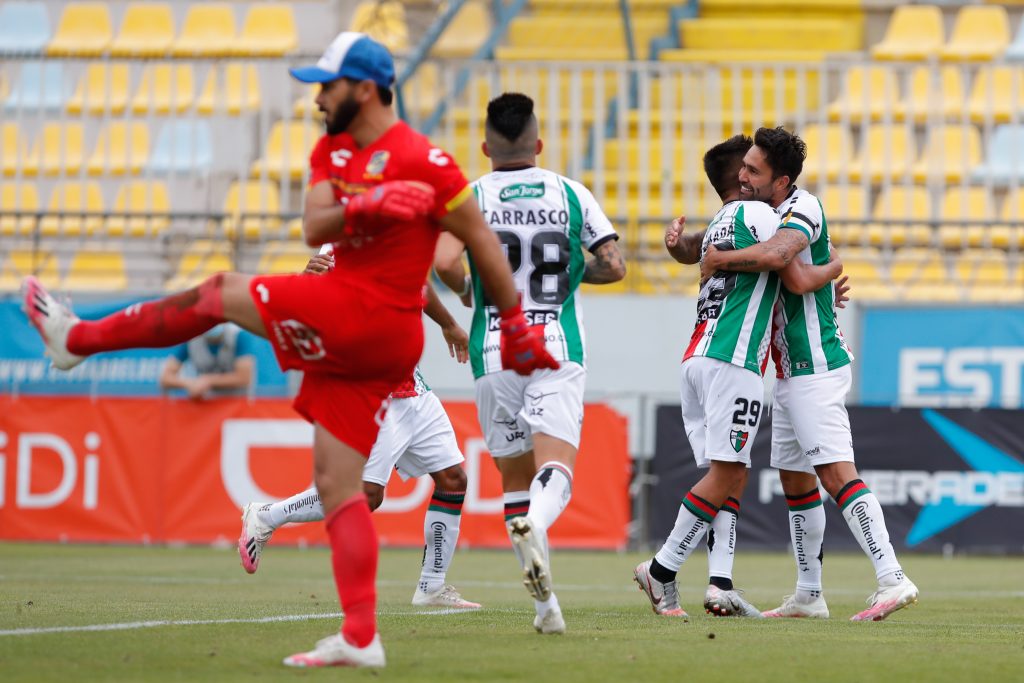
888	599
336	651
52	321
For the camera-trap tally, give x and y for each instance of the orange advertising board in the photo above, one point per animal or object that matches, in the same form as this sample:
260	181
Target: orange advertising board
141	470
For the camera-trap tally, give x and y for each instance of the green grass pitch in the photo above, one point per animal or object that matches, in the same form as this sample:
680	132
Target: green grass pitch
969	625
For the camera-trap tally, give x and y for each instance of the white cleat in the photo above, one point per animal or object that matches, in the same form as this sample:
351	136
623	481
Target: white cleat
255	535
52	320
536	576
336	651
791	607
551	623
888	599
446	596
722	603
664	597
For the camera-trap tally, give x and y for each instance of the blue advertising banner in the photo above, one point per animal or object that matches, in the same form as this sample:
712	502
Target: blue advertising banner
24	368
942	357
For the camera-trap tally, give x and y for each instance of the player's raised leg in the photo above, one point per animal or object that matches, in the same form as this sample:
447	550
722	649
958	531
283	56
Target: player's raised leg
260	520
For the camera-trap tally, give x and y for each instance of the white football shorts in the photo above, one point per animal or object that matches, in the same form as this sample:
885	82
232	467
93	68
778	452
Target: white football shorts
810	425
416	438
722	406
512	408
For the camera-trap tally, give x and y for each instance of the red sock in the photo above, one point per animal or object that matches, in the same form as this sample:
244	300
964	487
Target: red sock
164	322
354	557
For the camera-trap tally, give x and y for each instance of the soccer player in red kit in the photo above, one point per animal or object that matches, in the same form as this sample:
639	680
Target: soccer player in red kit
381	194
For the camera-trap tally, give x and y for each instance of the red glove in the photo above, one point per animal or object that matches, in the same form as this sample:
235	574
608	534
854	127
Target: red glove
391	202
522	346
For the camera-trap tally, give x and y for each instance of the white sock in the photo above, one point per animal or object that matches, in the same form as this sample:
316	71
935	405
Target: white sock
542	606
694	519
550	492
722	540
302	507
440	535
863	514
807	533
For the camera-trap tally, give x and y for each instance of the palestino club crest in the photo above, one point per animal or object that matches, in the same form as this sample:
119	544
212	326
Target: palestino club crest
375	166
738	439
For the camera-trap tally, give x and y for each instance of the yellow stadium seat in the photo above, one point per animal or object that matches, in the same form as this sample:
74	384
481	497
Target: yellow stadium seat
467	32
84	30
305	105
122	148
103	88
202	258
980	34
251	197
846	209
662	276
209	31
423	91
982	267
146	31
96	271
867	93
268	31
73	198
885	152
1009	233
914	33
919	266
18	198
60	149
828	35
20	264
902	204
996	95
933	95
284	258
14	152
384	22
961	204
949	154
233	89
591	38
829	151
140	210
287	150
164	88
294	229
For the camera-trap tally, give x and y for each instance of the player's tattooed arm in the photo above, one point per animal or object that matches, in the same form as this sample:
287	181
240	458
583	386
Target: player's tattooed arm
607	266
775	254
683	247
803	278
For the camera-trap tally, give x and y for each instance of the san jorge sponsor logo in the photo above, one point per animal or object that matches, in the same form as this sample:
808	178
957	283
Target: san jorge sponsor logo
521	191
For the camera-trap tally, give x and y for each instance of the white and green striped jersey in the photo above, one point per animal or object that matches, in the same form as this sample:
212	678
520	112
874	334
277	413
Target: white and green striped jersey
807	338
734	310
543	220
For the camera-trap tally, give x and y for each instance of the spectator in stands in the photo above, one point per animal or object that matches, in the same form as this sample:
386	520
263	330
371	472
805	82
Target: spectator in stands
217	363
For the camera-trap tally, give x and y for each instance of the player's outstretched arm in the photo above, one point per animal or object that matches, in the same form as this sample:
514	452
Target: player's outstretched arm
325	220
684	247
803	278
454	335
607	266
775	254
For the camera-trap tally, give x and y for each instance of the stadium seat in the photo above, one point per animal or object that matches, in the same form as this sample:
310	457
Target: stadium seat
592	38
1015	51
73	197
103	88
915	32
305	105
209	31
996	96
951	151
18	198
822	35
829	151
84	30
294	229
201	259
846	209
1004	157
19	264
987	268
268	31
182	147
60	149
287	150
862	266
868	92
961	204
146	31
165	88
232	88
14	152
980	34
96	271
122	148
40	87
1009	233
24	28
384	22
140	205
902	204
422	92
885	152
284	257
251	197
933	95
466	33
918	266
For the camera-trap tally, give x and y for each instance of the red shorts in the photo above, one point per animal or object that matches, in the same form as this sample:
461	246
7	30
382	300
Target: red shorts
353	348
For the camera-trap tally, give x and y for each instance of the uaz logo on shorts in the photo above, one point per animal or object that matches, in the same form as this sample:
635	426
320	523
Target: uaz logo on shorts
738	439
303	339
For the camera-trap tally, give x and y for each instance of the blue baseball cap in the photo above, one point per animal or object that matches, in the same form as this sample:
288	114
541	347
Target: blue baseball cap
351	55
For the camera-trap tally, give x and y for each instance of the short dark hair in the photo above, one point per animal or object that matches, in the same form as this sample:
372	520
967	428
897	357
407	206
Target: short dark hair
783	151
723	161
508	114
384	94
